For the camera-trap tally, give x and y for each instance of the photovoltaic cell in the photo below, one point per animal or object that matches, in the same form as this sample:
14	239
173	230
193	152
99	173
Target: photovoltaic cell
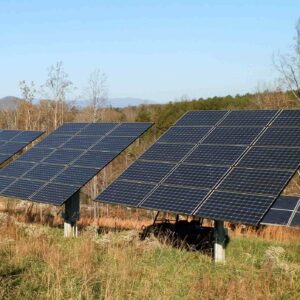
216	154
277	217
167	152
296	220
128	193
190	135
64	161
286	202
256	181
147	171
76	176
233	135
288	118
95	159
249	118
22	188
174	199
196	176
247	209
53	193
201	118
271	158
277	136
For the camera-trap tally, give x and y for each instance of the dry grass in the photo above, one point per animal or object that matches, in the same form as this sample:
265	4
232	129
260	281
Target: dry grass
37	262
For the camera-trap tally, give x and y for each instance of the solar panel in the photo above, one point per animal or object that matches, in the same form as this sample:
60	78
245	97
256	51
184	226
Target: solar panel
238	161
246	209
233	135
283	211
190	135
296	220
254	181
174	199
271	158
13	141
65	160
196	176
249	118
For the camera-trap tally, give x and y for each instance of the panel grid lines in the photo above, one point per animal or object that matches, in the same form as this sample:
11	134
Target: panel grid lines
183	159
54	166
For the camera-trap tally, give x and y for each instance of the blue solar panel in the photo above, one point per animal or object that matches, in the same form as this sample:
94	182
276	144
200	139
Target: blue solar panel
233	135
196	176
81	142
5	181
179	200
277	136
70	128
256	181
215	154
249	118
43	172
26	136
296	220
75	176
190	135
6	135
54	193
63	160
36	154
12	147
23	188
95	159
126	193
277	217
247	209
271	158
63	156
167	152
16	169
288	118
130	129
147	171
113	144
201	118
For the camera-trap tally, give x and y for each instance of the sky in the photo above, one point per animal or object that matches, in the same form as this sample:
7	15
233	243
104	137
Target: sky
157	50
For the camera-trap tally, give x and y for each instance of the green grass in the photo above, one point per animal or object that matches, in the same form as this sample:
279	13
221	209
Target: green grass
38	263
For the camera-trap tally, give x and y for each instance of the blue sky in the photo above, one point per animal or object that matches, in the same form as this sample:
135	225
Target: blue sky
158	50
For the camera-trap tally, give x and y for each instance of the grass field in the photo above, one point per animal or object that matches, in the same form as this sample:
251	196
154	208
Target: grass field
36	262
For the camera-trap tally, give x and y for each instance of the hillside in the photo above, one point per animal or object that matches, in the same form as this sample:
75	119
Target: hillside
9	102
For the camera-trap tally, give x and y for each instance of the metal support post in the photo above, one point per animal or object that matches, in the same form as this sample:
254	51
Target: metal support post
71	215
220	242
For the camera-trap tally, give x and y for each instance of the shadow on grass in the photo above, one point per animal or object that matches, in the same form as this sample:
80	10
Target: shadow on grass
184	235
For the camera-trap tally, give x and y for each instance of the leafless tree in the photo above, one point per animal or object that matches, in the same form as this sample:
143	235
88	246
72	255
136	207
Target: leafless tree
288	66
28	92
57	86
97	93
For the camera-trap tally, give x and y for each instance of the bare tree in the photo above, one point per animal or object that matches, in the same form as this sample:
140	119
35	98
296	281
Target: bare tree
57	86
97	93
28	92
288	66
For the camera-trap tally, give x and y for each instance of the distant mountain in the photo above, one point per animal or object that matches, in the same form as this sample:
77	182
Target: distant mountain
9	102
128	101
120	102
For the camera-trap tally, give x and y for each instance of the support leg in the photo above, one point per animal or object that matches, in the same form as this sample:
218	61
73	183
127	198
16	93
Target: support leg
220	241
71	216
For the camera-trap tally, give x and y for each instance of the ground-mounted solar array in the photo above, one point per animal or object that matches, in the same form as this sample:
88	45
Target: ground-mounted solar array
222	165
58	166
13	141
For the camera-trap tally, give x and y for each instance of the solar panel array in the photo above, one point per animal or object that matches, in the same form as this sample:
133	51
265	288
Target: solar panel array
58	166
284	211
223	165
13	141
